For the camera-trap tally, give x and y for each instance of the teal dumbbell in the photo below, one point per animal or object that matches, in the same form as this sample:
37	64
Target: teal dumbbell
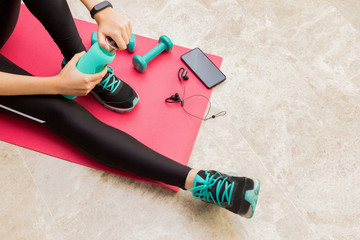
140	62
112	43
131	45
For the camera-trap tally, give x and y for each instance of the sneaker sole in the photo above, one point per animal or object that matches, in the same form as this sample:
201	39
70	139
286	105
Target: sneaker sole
252	196
119	110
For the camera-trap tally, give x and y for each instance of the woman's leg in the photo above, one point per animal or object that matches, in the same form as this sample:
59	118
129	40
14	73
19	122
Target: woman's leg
68	119
9	13
56	17
101	142
116	149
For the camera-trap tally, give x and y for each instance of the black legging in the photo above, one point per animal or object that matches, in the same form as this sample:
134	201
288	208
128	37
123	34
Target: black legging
55	16
67	118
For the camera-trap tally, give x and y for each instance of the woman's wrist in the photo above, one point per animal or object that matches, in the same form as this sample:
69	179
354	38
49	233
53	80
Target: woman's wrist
45	85
89	4
101	15
53	85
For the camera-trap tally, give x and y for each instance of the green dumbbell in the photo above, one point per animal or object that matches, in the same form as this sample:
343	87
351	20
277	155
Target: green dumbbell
140	62
112	43
131	45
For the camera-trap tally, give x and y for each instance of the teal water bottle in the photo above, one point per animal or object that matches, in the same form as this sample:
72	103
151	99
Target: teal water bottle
93	61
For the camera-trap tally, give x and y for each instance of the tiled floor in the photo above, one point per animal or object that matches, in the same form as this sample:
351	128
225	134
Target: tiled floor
292	101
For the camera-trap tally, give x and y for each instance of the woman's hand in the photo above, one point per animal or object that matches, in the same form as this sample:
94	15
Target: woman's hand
114	25
70	81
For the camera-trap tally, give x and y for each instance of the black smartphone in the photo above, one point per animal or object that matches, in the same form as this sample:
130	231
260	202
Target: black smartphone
203	67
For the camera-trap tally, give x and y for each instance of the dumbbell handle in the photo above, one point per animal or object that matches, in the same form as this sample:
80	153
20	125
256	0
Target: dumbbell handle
150	55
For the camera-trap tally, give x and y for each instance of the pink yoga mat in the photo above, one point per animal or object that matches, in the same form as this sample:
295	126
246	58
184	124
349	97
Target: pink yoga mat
165	128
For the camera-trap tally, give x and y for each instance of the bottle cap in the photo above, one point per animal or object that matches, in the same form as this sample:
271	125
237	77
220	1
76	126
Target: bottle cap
112	44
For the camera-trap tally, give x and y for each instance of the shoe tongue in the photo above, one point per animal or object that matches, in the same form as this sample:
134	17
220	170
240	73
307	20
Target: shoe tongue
200	179
106	75
110	79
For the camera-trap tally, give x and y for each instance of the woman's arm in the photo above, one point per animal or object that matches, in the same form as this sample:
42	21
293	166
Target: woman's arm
69	81
12	84
111	24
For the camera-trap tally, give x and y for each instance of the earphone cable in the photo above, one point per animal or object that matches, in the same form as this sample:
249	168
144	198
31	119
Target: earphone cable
182	100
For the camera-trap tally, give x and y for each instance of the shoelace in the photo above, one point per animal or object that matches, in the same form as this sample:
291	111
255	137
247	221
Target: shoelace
110	82
202	191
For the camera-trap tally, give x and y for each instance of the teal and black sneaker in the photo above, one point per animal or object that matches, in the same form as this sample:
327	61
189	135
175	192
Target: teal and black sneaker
236	194
113	93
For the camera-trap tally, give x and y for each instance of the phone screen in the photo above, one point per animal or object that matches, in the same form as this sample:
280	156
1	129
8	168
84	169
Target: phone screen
203	67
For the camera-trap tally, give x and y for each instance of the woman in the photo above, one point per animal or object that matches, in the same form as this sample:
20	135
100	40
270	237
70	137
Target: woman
38	100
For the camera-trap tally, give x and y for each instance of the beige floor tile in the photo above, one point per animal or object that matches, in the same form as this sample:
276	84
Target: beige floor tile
91	204
292	121
23	212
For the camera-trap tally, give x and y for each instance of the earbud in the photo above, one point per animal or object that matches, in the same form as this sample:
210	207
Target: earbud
175	97
183	75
